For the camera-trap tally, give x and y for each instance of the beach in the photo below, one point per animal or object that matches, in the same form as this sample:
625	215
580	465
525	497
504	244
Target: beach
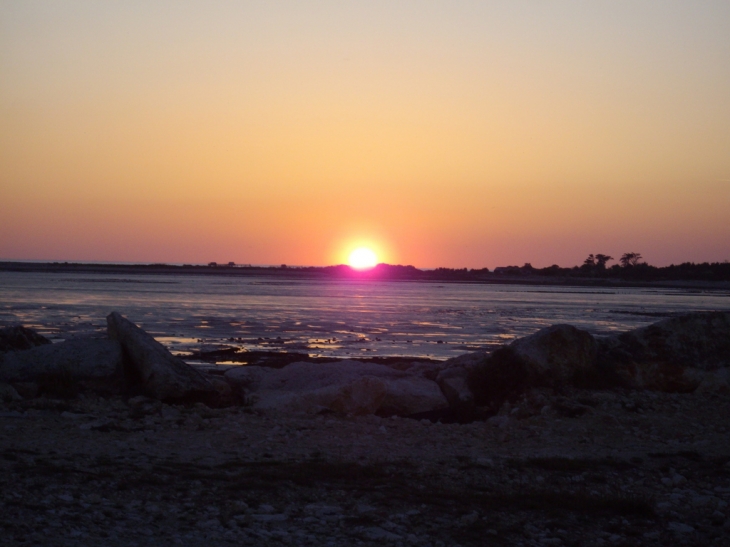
348	454
582	468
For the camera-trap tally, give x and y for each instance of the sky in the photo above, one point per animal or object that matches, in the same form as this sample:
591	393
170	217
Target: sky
437	133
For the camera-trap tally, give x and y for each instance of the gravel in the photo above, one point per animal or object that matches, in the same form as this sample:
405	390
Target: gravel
632	468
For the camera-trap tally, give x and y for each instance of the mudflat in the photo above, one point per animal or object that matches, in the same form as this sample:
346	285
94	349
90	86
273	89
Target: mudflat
613	467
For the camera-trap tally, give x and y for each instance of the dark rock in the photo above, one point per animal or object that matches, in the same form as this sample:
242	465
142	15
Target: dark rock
8	393
160	374
27	390
67	367
557	354
20	338
673	355
500	377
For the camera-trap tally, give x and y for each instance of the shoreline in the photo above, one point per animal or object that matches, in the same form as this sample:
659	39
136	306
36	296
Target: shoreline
344	273
551	457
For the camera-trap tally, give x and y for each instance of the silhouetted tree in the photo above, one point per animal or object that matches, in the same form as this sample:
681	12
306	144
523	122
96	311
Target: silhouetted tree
601	261
630	259
590	261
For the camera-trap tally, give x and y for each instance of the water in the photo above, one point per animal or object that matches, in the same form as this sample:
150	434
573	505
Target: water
339	318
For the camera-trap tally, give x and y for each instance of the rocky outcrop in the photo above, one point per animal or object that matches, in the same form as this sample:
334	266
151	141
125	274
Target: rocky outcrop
346	387
556	355
681	354
20	338
160	374
673	355
81	363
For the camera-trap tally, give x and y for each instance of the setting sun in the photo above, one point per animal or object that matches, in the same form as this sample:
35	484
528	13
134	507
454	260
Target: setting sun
362	258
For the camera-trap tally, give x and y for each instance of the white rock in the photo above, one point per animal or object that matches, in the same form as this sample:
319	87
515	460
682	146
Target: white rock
163	376
345	387
454	384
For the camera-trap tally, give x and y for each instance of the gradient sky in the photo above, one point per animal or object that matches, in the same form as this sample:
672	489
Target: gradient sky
458	134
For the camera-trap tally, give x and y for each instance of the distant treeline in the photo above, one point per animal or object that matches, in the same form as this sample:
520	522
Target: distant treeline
631	268
687	271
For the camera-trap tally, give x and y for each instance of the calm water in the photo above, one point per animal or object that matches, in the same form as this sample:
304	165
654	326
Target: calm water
328	318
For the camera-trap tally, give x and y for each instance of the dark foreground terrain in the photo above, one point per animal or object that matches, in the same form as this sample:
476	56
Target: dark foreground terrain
585	468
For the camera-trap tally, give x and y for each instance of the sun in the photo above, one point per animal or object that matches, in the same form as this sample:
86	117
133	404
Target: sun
362	258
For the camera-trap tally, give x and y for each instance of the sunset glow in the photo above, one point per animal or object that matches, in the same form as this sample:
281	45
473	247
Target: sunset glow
362	258
461	134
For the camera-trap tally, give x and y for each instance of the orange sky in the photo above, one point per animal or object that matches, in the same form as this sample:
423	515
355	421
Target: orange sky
439	133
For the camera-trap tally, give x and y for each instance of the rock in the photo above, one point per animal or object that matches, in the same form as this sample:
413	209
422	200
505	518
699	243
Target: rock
8	393
20	338
717	381
345	387
221	386
673	355
426	370
500	377
161	375
455	386
411	395
680	528
142	406
557	354
68	366
27	390
375	533
247	377
468	360
554	356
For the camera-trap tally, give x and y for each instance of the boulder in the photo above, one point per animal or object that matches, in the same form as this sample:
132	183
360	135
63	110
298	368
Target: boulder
454	383
248	377
94	364
558	354
555	356
345	387
161	375
673	355
426	370
469	360
20	338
